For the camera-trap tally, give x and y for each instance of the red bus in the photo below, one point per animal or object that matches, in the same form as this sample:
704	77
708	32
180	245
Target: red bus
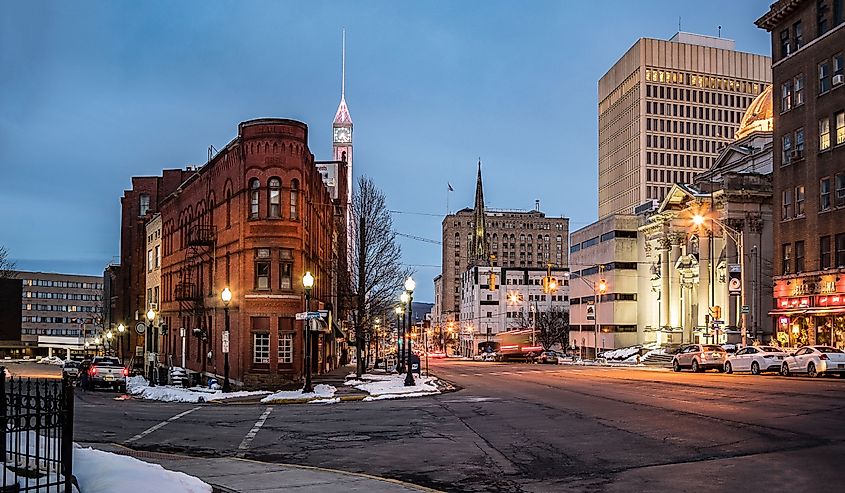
518	344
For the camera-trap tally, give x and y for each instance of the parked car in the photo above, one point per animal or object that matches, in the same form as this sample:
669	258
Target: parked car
548	357
755	359
71	369
700	357
107	371
814	361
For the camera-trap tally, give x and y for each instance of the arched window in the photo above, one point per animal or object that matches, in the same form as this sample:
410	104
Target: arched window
294	199
253	198
228	208
275	197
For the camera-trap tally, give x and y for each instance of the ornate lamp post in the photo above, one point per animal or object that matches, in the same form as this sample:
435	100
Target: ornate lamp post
404	298
226	296
151	315
308	283
410	285
109	337
121	329
400	312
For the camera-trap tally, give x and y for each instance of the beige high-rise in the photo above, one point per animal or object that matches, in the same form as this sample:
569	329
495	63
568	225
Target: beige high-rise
666	108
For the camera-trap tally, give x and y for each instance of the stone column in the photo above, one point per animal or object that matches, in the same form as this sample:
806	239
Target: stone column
703	278
675	282
665	295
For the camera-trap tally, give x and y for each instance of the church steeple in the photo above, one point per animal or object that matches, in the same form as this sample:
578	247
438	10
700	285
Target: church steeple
480	250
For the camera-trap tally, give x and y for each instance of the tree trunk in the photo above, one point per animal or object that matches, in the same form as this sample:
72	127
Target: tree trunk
359	329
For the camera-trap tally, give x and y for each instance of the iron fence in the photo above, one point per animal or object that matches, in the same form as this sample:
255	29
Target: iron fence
36	422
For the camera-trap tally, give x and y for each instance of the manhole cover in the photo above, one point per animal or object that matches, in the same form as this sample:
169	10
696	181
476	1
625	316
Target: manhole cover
348	438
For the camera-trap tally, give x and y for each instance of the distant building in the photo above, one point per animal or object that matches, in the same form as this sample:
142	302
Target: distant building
808	49
60	312
604	251
665	110
496	238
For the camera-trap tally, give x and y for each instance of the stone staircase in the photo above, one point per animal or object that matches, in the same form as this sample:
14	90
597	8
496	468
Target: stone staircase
659	360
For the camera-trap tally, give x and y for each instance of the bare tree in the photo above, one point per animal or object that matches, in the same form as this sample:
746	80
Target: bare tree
552	326
375	270
7	266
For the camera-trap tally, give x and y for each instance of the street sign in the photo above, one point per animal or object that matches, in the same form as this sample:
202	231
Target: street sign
734	279
307	315
746	309
591	312
225	341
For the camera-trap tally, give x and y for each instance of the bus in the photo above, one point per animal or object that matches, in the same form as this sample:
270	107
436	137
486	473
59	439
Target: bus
518	345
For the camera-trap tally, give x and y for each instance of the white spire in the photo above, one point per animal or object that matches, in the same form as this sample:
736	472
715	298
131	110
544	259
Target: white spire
343	67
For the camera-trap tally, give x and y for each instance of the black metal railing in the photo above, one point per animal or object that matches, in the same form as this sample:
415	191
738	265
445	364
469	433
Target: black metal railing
36	423
201	236
186	291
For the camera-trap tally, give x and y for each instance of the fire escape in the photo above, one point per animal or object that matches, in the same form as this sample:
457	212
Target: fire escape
193	281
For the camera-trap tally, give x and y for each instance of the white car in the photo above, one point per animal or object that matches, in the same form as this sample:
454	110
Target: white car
755	359
814	361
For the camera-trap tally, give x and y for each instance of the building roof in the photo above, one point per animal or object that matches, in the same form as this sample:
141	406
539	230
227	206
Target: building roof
777	12
758	116
342	116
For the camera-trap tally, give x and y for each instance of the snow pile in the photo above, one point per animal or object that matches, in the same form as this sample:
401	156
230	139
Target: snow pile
393	386
138	387
321	393
51	360
102	472
654	351
621	354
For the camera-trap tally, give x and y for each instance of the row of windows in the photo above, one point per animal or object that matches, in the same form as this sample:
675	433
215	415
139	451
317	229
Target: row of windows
825	19
697	113
837	122
703	97
261	348
608	266
831	195
674	159
52	332
62	284
62	296
831	254
792	91
511	225
703	81
605	298
274	199
154	258
595	240
263	269
669	176
53	320
60	308
687	128
686	144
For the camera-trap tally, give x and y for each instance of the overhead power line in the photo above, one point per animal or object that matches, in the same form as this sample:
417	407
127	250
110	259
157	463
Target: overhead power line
419	238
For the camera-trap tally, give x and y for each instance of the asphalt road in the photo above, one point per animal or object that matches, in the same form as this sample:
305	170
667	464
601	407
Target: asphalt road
517	427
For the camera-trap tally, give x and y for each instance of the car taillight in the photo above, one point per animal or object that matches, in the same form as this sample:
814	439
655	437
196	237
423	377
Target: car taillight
126	372
93	370
823	357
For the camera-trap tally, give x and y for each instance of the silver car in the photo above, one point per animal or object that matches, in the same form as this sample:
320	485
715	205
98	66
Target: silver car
700	357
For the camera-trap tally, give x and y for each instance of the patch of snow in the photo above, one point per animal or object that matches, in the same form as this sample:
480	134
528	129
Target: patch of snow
394	396
321	391
103	472
621	354
51	360
138	387
333	400
379	385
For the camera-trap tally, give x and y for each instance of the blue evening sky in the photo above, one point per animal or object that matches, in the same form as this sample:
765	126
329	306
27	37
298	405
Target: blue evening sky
92	93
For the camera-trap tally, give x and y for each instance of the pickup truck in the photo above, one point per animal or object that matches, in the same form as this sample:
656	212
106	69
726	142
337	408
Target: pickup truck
107	371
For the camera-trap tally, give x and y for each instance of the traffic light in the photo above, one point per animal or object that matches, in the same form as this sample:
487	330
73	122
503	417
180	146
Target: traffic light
716	311
602	286
491	281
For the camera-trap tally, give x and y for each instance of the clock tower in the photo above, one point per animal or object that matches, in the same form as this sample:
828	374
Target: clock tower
342	137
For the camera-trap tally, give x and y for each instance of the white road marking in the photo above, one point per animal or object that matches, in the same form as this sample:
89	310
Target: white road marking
258	424
160	425
478	374
505	373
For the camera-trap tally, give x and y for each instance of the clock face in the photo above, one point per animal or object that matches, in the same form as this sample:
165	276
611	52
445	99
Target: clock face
342	135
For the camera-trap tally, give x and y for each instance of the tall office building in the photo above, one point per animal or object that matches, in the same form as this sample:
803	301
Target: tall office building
666	108
499	238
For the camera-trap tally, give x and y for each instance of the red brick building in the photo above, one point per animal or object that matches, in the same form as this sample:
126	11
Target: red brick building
255	218
808	78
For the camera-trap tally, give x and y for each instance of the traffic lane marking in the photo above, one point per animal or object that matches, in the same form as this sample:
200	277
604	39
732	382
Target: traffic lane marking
250	436
160	425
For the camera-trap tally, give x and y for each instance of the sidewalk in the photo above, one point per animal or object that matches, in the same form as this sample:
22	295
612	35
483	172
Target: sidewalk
232	475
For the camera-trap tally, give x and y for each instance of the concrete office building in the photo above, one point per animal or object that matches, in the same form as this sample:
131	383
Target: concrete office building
665	110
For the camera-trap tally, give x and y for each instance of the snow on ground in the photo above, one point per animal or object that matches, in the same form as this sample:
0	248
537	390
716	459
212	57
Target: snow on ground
51	360
138	387
621	354
392	386
321	392
95	470
103	472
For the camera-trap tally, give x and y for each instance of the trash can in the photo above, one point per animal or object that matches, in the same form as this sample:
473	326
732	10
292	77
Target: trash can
163	377
415	364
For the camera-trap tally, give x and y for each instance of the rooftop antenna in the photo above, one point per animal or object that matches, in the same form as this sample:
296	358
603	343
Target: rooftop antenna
679	23
720	32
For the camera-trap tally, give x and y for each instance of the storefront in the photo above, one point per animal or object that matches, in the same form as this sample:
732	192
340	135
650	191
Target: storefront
810	311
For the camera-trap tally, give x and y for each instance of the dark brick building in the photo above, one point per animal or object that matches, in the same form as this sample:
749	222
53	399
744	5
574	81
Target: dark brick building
808	77
255	218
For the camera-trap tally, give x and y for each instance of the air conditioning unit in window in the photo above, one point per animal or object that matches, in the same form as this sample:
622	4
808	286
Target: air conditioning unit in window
838	79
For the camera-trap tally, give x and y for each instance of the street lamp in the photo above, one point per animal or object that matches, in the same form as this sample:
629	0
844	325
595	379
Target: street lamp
399	313
404	298
738	239
601	287
226	296
151	315
121	329
410	285
308	283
